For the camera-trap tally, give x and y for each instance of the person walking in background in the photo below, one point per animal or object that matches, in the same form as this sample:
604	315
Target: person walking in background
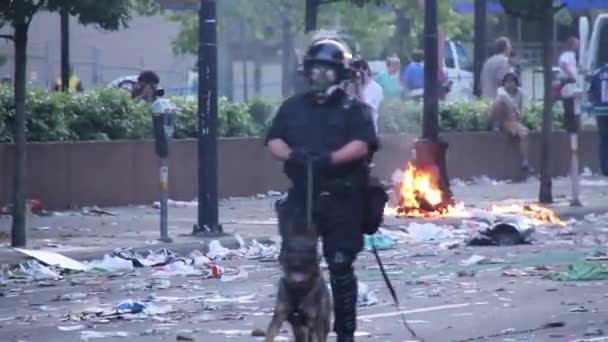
413	75
569	91
506	114
74	85
495	68
389	80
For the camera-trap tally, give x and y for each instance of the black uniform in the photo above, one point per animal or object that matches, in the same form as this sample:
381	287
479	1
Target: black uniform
322	128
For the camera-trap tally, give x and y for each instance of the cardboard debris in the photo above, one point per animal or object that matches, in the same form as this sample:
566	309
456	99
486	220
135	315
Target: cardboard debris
54	259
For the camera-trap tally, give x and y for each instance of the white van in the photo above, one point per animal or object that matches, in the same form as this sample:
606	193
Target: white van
456	63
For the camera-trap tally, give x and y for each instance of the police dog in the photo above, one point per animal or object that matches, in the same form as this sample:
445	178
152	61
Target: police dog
303	298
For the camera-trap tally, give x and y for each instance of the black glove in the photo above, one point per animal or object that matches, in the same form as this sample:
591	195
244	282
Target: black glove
321	161
299	157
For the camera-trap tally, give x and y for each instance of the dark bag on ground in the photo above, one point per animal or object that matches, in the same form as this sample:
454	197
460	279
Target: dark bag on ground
374	203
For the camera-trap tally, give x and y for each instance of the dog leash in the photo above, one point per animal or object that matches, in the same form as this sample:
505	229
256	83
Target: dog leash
391	289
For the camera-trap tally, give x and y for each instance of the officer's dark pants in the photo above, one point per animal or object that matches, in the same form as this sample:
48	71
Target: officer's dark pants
338	218
602	127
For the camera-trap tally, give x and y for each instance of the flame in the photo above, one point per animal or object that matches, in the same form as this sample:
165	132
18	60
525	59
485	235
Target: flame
536	213
421	196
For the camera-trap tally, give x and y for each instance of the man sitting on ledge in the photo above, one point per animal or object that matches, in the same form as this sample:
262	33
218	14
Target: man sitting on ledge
506	114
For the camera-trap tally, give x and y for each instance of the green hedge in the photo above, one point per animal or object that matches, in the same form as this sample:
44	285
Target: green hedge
459	116
109	114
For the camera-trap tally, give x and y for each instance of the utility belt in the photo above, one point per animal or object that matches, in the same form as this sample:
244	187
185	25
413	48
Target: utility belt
372	190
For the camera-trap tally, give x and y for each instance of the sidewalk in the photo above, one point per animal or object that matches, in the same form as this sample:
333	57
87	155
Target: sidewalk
86	237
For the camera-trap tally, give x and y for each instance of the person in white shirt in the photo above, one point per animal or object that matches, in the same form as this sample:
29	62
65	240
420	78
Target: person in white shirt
370	91
568	73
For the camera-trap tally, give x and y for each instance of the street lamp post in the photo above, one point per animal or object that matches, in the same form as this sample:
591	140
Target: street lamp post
208	212
430	148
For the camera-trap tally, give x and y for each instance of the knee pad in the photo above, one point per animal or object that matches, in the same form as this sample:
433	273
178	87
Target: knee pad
340	263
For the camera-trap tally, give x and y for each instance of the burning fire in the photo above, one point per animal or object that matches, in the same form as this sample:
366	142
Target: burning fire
536	213
420	196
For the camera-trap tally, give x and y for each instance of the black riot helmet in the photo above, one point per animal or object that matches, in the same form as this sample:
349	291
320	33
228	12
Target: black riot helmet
330	52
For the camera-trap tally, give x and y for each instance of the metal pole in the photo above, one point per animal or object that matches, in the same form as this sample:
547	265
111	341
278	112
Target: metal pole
65	50
480	43
430	119
208	213
164	198
574	171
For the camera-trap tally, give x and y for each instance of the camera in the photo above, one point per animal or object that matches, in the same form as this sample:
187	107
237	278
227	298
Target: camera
160	92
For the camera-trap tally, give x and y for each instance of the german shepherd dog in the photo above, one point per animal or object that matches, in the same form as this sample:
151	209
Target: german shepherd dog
303	298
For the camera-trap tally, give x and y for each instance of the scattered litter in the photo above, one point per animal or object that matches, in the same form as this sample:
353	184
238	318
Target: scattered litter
398	236
184	338
482	260
217	251
71	327
159	257
514	273
37	271
597	256
365	297
257	332
242	274
178	268
595	182
427	232
88	334
583	271
69	297
587	172
579	309
42	228
485	180
231	298
380	241
54	259
273	193
110	264
465	273
95	211
129	306
515	231
177	204
591	331
231	333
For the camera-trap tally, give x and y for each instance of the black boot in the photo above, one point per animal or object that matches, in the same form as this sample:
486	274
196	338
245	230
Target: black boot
344	291
345	338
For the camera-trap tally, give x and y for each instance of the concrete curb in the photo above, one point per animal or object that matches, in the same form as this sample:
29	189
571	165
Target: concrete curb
11	257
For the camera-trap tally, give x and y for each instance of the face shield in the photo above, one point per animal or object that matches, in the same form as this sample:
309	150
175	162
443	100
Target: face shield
322	77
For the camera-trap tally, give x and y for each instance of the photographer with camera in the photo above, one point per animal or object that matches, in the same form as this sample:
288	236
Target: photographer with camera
366	88
143	87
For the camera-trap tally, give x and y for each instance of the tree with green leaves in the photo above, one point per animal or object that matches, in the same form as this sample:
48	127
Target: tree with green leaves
107	14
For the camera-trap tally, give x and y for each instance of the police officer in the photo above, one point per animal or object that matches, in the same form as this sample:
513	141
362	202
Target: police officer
334	132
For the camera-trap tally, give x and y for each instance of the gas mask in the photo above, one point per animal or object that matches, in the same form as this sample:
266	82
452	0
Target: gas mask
323	78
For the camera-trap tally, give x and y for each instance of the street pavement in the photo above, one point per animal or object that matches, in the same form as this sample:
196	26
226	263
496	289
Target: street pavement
447	292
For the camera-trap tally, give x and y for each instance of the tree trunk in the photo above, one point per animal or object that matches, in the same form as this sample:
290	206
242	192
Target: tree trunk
480	43
18	229
288	57
312	12
257	70
65	50
545	194
244	59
